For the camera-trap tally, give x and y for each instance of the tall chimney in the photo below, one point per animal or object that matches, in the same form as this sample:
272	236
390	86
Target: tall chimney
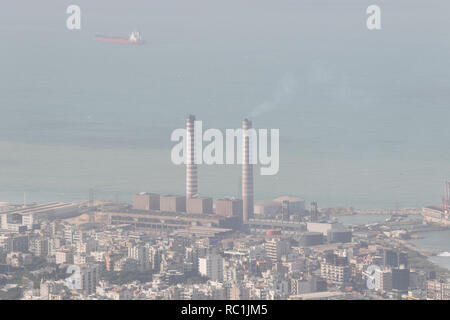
191	167
247	173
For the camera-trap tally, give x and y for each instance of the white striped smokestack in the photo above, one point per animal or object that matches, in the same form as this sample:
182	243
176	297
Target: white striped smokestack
191	167
247	173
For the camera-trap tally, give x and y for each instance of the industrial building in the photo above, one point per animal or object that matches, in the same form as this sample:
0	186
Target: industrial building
261	226
286	205
171	203
199	205
324	227
23	218
267	208
146	201
229	207
159	221
296	206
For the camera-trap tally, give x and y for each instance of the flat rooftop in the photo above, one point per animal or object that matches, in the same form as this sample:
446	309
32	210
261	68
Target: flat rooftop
172	215
41	208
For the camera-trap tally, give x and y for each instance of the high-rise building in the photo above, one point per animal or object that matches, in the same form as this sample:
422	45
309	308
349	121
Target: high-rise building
142	255
335	268
383	280
247	171
39	246
335	273
400	279
285	210
191	167
211	266
275	248
395	259
64	256
314	211
155	259
89	277
17	243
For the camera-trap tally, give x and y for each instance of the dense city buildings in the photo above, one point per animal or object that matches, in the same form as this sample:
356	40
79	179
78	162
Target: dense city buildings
139	252
438	290
159	246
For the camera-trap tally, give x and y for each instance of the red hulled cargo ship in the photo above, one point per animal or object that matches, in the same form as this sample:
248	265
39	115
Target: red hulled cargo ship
134	38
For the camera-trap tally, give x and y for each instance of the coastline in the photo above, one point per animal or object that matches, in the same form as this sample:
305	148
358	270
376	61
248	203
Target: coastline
420	253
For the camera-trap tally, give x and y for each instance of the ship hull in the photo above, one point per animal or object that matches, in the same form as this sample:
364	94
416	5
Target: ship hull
116	40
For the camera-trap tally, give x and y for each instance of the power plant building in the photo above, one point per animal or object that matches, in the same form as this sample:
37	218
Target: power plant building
170	203
229	207
146	201
324	227
286	205
295	205
267	208
199	205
